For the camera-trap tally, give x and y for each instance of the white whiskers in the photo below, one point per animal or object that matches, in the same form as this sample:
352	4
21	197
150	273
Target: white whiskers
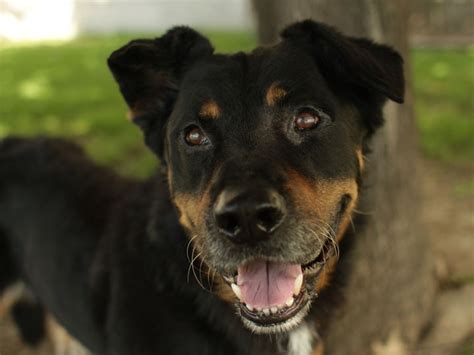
192	267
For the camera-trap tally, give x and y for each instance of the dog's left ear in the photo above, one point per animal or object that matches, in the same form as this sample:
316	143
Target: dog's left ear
354	65
149	72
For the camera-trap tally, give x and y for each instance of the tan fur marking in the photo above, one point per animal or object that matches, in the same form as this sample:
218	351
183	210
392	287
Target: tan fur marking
318	200
326	274
319	349
210	109
345	221
169	178
223	290
274	94
62	341
191	209
191	217
360	158
10	296
134	113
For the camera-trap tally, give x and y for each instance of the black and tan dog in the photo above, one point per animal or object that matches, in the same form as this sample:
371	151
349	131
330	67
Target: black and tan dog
263	154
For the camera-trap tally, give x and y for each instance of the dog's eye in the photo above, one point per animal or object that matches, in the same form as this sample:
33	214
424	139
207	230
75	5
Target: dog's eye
195	136
305	119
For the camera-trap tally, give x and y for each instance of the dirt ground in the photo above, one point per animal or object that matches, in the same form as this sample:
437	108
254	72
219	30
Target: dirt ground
448	217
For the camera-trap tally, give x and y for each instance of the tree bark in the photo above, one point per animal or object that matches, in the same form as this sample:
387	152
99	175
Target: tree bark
391	288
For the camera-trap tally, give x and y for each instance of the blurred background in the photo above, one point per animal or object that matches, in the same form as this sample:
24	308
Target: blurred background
54	81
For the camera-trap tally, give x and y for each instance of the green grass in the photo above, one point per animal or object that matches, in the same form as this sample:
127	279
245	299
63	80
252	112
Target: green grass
444	102
465	188
468	347
65	89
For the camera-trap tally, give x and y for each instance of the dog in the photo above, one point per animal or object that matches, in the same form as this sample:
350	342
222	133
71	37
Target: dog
233	247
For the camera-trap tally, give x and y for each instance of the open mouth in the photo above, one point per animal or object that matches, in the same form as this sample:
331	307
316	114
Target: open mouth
276	296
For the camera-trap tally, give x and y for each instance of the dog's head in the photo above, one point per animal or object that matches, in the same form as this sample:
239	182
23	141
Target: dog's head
264	152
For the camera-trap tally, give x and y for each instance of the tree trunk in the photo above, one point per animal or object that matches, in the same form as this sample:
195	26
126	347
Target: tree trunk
391	289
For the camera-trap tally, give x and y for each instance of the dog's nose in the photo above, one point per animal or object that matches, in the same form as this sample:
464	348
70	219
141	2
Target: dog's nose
249	216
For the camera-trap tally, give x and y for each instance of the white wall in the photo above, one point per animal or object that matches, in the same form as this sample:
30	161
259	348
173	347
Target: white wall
150	15
36	19
60	19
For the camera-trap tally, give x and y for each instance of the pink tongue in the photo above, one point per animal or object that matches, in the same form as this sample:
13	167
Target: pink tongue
264	284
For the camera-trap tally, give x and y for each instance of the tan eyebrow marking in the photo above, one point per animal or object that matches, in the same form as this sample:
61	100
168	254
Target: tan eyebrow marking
210	109
274	94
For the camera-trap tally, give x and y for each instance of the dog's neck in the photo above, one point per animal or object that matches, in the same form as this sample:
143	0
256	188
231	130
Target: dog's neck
302	340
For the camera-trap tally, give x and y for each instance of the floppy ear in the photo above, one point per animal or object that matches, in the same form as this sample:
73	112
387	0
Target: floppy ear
357	66
149	72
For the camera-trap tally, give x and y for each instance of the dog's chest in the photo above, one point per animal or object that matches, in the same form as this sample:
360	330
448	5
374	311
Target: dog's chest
302	340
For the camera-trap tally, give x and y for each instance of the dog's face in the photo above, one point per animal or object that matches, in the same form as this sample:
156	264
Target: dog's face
264	153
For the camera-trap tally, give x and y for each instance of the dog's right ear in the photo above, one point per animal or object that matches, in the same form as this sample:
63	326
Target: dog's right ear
149	72
363	69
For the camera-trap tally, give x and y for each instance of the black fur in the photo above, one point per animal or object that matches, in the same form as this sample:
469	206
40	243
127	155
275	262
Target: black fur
30	318
107	255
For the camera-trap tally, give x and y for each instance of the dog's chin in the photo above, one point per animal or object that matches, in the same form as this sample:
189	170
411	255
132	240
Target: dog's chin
283	317
282	320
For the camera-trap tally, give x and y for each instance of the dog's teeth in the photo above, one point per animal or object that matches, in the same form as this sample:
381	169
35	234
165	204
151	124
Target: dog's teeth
298	284
258	309
229	279
274	310
266	311
236	290
289	303
249	307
